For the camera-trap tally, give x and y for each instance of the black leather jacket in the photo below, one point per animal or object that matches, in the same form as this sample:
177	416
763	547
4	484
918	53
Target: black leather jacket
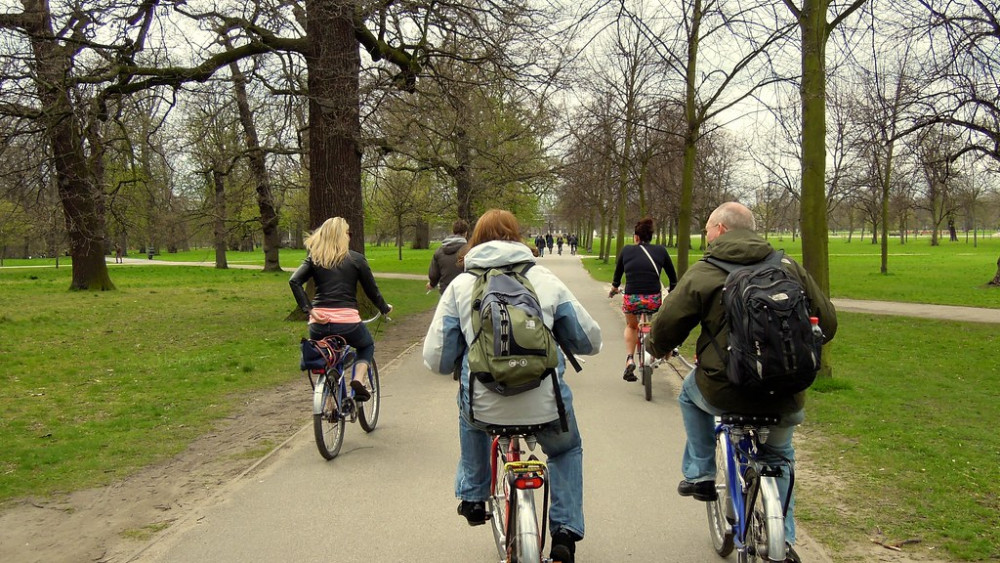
336	287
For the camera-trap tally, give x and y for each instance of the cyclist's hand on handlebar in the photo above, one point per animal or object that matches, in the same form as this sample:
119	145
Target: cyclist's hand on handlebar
387	312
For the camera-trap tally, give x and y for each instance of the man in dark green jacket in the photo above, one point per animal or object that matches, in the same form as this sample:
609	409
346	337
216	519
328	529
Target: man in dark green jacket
707	391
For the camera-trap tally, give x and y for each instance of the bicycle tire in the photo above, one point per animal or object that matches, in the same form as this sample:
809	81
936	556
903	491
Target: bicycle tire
368	410
765	536
498	508
647	382
719	526
524	542
328	424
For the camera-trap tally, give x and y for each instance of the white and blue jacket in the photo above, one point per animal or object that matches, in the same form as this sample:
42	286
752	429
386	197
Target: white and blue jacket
451	330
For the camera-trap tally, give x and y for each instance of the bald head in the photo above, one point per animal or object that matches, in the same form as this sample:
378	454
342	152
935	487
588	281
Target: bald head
728	216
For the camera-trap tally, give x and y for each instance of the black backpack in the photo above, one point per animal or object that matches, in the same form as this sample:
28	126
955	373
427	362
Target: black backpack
774	350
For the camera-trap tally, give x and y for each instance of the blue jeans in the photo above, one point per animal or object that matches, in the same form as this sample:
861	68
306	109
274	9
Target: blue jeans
565	460
698	463
356	334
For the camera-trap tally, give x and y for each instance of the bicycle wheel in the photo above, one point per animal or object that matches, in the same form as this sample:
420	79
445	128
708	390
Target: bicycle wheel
720	526
368	410
524	540
328	424
765	540
647	382
498	508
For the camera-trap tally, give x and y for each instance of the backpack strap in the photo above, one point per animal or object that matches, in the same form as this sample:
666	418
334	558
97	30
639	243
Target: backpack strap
774	259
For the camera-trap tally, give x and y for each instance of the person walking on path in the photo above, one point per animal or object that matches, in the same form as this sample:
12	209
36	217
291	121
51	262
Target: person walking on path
641	263
540	244
337	271
707	390
549	241
496	242
444	264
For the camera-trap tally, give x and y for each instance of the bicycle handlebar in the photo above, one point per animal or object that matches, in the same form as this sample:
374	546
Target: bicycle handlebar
377	315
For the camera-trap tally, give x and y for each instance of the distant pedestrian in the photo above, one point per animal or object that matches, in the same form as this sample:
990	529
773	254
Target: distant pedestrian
119	254
444	264
548	241
540	245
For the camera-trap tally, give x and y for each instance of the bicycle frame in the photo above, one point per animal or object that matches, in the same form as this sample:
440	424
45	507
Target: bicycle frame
518	538
334	377
747	478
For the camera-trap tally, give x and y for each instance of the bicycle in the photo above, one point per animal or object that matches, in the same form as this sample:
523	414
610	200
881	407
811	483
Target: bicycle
748	514
333	398
512	500
644	363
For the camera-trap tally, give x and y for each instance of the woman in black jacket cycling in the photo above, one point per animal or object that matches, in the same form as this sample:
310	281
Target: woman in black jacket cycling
337	270
641	264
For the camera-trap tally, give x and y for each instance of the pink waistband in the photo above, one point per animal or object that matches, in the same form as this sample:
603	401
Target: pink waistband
322	316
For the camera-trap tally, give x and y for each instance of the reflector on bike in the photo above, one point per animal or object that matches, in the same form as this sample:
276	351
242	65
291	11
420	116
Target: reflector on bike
525	482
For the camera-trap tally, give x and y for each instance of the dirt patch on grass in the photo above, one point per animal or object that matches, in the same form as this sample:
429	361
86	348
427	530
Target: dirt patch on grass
108	524
824	491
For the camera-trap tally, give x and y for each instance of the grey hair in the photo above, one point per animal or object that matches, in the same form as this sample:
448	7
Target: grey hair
734	215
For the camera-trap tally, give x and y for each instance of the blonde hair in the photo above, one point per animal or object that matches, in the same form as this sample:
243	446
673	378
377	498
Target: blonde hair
328	245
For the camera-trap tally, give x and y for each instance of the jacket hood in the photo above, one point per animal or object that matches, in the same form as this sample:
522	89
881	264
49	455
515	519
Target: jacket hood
497	253
739	246
452	244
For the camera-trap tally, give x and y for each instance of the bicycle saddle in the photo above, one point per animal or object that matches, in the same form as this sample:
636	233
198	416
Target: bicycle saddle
751	419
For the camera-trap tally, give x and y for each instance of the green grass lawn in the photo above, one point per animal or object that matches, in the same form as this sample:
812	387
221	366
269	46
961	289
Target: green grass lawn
98	384
906	423
954	273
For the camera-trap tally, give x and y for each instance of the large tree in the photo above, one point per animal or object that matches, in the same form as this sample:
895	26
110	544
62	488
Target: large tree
815	29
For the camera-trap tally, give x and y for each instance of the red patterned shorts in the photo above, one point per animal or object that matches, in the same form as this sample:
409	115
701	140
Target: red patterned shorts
634	304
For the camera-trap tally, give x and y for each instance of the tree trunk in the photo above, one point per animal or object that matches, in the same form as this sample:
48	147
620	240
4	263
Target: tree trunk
421	235
258	167
815	243
219	222
996	278
690	139
334	63
82	196
463	169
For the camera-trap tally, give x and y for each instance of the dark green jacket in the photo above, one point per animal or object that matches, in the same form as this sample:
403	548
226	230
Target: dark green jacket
698	299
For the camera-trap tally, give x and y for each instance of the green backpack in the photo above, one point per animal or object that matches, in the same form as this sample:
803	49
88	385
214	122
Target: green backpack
512	350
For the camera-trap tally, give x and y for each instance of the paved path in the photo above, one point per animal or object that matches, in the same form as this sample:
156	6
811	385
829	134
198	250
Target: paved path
389	496
946	312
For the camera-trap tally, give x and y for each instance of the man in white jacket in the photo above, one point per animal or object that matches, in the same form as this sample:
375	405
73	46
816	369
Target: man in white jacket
496	242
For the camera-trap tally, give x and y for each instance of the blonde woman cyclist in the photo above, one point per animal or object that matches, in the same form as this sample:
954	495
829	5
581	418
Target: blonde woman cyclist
337	271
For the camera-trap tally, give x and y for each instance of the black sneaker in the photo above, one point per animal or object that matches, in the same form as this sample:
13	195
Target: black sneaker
702	490
474	512
563	547
361	394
